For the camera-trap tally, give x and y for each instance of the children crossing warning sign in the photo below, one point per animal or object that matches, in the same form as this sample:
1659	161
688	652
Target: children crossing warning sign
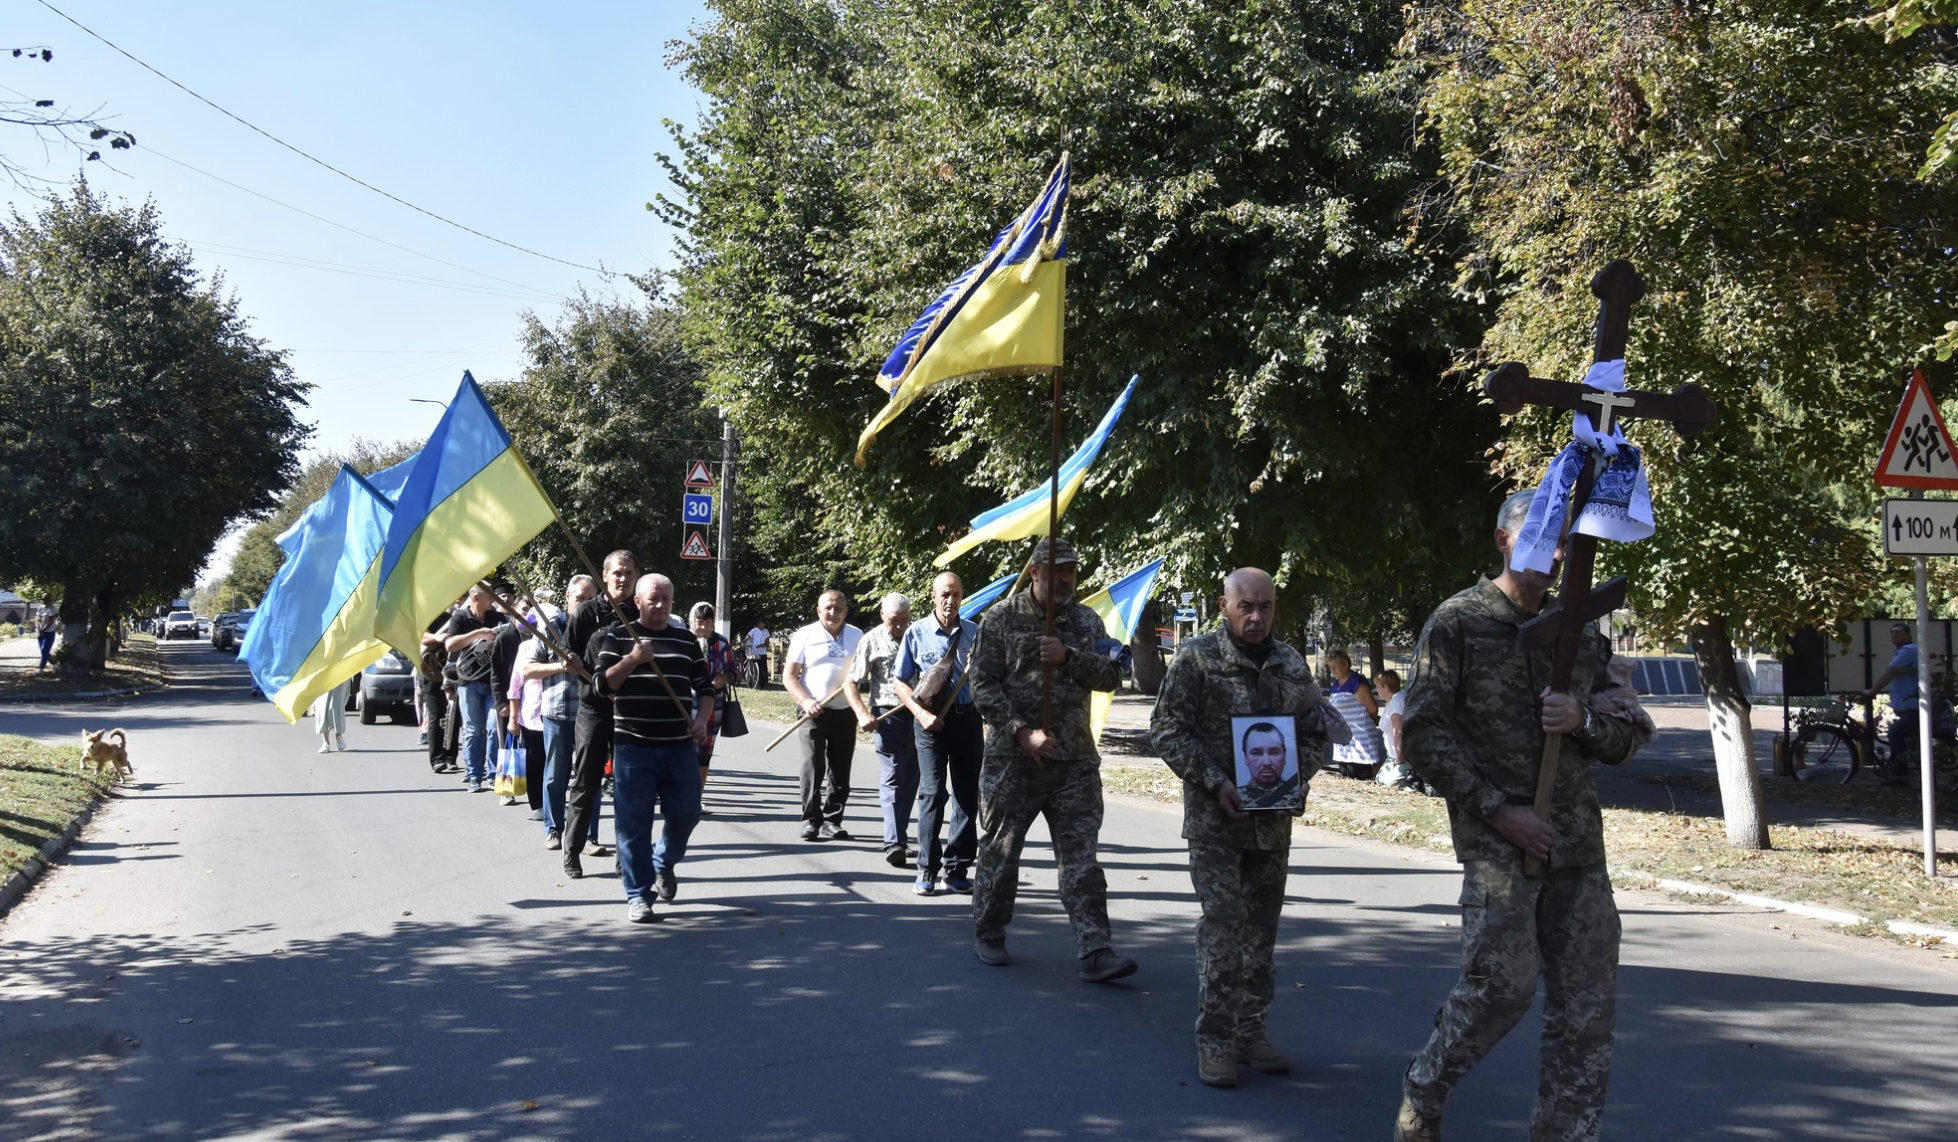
1919	452
695	547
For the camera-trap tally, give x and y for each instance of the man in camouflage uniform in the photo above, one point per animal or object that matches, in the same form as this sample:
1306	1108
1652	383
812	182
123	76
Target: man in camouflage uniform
1054	772
1477	712
1238	859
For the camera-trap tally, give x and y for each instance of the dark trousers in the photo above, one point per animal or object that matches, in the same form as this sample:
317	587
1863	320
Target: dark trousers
831	737
589	752
440	713
897	757
533	766
956	750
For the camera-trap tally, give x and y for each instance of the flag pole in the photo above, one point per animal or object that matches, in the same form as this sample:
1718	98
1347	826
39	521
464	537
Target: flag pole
1053	537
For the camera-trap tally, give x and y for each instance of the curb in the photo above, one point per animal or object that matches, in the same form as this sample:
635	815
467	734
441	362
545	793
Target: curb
1828	915
18	884
78	694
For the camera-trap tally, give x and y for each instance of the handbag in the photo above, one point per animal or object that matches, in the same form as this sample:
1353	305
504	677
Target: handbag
734	723
510	768
931	689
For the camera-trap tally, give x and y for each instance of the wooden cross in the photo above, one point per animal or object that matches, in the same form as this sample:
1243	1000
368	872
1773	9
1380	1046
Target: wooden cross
1559	629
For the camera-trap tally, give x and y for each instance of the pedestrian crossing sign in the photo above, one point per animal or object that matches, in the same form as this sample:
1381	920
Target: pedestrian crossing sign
1919	452
695	547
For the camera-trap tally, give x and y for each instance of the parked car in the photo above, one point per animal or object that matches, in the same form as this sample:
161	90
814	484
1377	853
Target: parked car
180	624
203	626
221	630
387	687
240	622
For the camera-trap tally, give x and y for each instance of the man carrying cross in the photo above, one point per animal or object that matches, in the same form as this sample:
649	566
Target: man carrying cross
1475	721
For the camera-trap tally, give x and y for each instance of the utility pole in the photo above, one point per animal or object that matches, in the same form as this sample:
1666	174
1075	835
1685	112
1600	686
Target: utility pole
724	566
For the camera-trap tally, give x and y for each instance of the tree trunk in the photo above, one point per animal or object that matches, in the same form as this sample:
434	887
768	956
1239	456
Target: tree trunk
1731	718
1145	646
98	635
1377	651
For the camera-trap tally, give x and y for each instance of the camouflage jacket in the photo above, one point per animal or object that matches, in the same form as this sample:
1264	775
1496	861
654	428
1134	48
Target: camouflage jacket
1006	673
1473	730
1209	681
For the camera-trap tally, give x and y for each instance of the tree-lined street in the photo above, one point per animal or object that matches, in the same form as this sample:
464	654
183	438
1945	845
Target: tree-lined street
341	945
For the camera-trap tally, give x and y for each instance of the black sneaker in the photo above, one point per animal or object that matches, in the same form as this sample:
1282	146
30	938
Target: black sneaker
572	868
896	857
1103	966
669	885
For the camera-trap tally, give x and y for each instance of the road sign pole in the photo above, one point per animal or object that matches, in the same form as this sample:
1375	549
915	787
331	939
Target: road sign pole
724	566
1927	770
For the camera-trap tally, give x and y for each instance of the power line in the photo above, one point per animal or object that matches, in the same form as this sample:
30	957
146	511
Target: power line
300	261
308	157
149	150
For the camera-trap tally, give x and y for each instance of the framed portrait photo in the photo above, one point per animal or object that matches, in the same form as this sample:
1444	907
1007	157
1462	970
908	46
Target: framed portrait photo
1267	750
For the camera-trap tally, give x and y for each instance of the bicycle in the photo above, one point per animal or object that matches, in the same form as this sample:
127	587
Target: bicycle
1830	745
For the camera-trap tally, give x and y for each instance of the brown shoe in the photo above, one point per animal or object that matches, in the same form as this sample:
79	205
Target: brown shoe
1264	1058
1216	1066
1413	1126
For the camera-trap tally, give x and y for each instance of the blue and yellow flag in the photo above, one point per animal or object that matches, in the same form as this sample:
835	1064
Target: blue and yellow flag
1025	516
976	603
314	628
1120	606
468	504
1001	317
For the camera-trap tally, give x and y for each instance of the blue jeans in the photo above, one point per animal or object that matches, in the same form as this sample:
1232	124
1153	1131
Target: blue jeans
949	760
897	756
557	774
47	648
474	698
643	777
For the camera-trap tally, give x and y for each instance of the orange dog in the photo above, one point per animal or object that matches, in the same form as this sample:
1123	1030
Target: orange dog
106	753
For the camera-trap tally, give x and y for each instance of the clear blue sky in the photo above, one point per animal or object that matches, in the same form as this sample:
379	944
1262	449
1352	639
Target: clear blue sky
538	124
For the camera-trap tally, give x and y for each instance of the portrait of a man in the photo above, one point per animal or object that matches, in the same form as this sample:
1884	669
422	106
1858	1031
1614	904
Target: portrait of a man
1267	761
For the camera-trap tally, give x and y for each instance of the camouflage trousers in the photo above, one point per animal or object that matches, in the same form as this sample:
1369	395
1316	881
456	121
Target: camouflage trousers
1562	926
1242	892
1012	792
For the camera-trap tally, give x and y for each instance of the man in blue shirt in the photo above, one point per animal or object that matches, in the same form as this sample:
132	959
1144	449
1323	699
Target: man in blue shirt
951	739
1901	678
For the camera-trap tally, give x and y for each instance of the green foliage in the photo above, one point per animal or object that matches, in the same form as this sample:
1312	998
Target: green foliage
1755	163
137	414
608	412
1240	178
259	555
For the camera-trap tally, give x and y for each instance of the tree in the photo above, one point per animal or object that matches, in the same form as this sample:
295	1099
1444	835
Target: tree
137	414
1756	164
56	127
1240	177
608	412
259	555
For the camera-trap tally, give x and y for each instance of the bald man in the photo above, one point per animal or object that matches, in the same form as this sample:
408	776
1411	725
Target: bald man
1238	857
814	672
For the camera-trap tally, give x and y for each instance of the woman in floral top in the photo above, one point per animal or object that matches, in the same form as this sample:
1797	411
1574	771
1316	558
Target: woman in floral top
720	671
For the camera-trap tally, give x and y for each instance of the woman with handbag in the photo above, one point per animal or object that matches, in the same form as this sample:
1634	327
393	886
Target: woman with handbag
720	672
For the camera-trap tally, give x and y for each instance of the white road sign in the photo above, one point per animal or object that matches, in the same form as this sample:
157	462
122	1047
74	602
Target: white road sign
1920	527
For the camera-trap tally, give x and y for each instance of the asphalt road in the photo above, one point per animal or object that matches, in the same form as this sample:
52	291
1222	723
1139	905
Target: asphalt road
259	941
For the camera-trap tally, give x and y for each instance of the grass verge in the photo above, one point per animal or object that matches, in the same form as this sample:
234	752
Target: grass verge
139	666
41	790
1876	877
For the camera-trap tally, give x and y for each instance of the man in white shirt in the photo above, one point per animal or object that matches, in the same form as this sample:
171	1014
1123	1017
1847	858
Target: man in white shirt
758	649
813	672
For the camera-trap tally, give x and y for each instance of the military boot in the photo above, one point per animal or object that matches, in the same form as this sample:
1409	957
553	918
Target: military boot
1216	1066
1261	1056
1413	1126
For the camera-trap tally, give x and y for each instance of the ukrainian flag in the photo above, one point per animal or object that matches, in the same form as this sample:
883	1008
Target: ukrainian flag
468	504
976	603
314	629
1120	606
1025	516
1002	317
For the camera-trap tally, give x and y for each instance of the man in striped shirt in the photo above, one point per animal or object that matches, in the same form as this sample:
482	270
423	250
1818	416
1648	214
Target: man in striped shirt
661	702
